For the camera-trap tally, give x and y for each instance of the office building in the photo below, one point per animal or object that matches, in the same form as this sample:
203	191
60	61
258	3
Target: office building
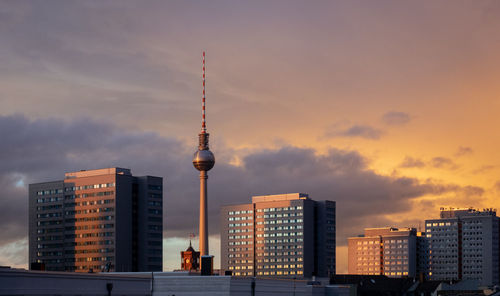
287	235
384	251
464	244
99	220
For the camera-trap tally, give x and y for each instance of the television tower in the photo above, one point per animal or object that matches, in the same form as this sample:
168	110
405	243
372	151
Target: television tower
203	161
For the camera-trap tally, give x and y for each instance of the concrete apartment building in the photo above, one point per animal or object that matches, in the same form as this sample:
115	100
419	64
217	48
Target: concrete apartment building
464	244
103	219
287	235
385	251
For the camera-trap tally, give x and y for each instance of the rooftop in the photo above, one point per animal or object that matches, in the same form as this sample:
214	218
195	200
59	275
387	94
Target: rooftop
98	172
279	197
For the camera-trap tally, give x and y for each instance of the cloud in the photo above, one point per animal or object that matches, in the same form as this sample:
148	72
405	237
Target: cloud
443	163
463	151
357	131
410	162
42	150
396	118
438	162
484	168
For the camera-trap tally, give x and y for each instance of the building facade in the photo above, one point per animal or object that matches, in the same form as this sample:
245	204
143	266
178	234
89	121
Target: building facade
384	251
97	220
464	244
287	235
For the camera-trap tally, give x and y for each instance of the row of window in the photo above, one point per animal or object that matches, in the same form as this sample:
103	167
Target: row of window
429	224
240	224
93	259
49	215
92	186
240	230
239	243
286	227
50	207
50	230
298	272
49	199
155	203
279	266
240	267
239	261
240	249
243	218
240	236
87	195
86	227
49	191
49	246
87	219
279	221
279	209
90	202
49	238
154	187
279	234
272	259
279	215
94	243
239	212
280	247
90	211
89	234
90	251
277	241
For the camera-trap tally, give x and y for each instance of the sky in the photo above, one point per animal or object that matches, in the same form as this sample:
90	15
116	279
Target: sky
390	108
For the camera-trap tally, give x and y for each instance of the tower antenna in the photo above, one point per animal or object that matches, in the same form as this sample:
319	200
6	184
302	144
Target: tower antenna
203	121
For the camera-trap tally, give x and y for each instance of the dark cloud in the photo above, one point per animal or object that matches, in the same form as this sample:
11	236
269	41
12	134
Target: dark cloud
42	150
464	151
359	131
410	162
396	118
443	163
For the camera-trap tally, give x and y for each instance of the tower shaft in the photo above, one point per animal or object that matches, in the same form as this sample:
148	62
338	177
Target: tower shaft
203	214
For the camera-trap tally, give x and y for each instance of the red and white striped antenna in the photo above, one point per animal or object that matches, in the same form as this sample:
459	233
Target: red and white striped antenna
203	122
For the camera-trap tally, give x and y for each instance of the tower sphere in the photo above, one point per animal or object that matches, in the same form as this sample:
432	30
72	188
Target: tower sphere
203	160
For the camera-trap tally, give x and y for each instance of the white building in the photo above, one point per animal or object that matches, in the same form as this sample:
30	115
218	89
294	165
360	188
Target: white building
464	244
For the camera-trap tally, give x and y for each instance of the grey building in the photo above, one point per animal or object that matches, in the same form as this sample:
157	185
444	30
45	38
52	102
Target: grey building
102	219
287	235
464	244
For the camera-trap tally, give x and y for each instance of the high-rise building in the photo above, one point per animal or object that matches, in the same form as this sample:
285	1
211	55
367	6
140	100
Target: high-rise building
464	244
384	251
287	235
97	220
